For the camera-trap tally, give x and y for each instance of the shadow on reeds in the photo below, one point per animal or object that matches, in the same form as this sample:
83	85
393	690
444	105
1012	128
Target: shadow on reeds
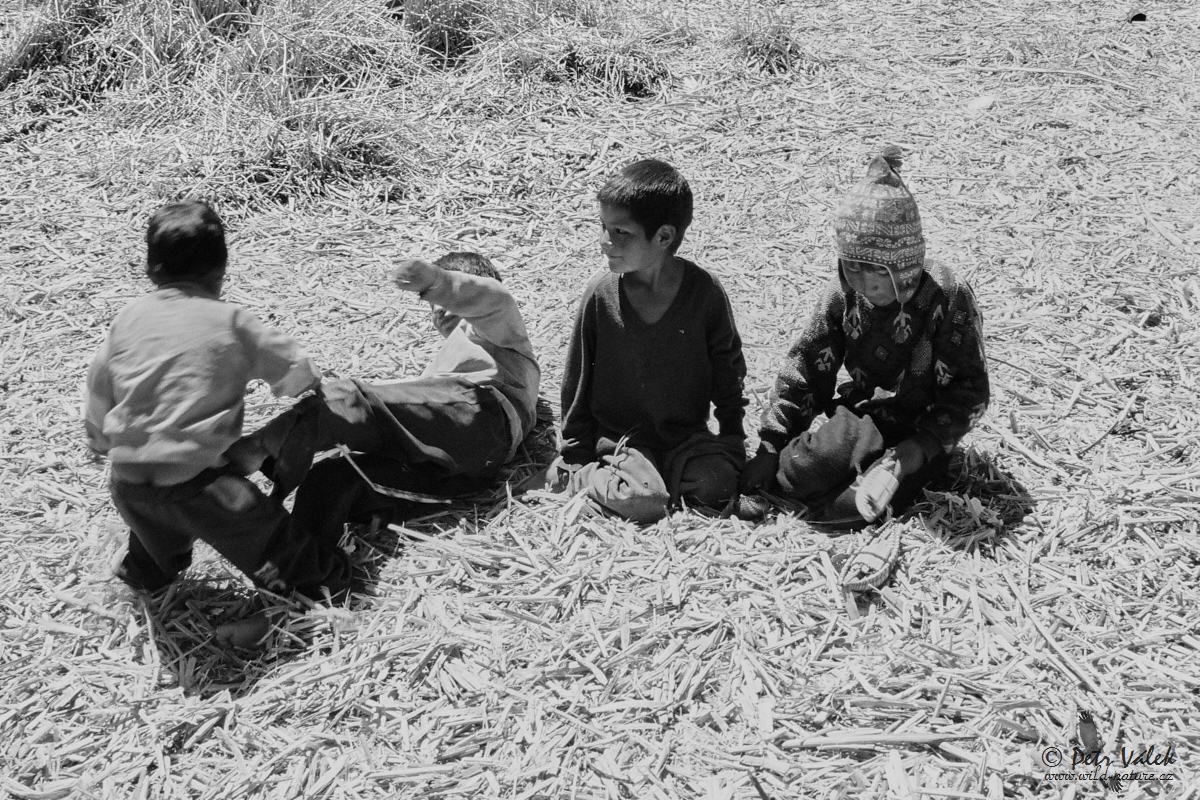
185	619
976	504
446	31
186	616
375	544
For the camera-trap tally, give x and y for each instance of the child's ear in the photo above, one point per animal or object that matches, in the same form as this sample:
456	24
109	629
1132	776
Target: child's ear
665	235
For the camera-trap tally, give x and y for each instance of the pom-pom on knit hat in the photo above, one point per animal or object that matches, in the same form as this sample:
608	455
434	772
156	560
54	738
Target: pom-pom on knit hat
878	222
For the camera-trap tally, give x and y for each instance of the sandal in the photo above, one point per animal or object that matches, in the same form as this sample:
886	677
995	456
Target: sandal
871	565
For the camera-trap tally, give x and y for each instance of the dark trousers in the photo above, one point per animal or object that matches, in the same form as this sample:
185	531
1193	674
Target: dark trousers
447	422
819	466
333	493
443	435
239	521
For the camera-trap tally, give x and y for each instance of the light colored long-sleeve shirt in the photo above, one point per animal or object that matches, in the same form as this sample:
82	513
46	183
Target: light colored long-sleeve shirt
490	346
165	393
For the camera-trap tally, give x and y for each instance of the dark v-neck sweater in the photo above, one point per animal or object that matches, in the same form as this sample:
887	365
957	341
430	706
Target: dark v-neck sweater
654	383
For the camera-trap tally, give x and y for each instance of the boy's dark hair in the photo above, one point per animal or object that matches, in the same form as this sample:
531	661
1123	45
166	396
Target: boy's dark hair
184	240
470	263
654	194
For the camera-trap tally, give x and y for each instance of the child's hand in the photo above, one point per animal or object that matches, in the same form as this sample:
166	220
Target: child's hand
559	474
759	471
910	457
414	275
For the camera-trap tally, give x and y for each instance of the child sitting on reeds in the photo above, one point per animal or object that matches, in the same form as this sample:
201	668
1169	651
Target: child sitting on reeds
449	431
910	337
654	347
164	401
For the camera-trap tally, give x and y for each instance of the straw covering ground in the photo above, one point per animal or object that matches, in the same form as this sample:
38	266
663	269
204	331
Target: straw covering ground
527	648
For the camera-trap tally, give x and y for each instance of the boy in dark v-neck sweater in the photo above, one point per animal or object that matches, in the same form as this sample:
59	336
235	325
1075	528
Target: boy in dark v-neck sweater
654	348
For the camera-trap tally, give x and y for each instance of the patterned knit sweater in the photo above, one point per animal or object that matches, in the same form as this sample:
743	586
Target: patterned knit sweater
918	369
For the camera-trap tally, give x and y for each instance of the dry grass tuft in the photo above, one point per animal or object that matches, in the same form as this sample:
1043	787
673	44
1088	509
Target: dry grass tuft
618	65
627	68
447	30
46	38
768	40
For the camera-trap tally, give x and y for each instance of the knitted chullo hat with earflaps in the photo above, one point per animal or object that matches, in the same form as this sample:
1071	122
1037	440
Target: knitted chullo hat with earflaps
878	222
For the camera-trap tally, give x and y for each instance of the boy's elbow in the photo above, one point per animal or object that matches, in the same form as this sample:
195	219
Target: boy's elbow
485	298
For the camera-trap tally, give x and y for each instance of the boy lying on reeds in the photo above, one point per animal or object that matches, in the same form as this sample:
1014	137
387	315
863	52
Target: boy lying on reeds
447	431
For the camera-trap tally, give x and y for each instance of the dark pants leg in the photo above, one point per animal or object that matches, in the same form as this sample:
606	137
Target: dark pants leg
333	493
237	520
445	421
704	469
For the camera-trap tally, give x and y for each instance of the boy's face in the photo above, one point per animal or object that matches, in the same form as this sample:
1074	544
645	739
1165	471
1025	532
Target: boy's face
871	281
443	321
624	243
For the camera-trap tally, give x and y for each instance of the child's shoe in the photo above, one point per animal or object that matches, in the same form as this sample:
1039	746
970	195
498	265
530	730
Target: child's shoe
147	581
877	486
872	564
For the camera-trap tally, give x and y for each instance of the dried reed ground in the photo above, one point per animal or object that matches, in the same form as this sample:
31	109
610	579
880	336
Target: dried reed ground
525	649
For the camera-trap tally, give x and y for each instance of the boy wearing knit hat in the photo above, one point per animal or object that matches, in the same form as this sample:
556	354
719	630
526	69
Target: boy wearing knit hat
910	337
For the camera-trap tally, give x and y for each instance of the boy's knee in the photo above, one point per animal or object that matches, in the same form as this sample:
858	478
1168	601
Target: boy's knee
336	577
709	480
344	400
803	472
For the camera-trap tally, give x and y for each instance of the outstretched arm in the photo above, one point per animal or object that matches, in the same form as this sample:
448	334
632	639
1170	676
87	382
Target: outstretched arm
805	386
276	358
807	381
484	302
